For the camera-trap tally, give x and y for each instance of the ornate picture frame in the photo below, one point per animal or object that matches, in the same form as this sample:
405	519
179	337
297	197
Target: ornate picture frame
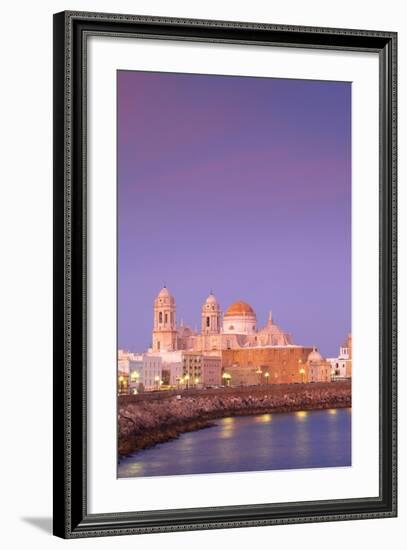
72	518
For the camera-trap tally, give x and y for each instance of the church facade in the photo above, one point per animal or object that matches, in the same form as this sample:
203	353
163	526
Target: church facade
233	330
246	353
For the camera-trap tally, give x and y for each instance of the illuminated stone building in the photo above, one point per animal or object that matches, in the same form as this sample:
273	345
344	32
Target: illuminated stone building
267	365
229	349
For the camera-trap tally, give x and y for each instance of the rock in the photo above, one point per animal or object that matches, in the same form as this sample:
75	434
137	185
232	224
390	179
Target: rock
144	422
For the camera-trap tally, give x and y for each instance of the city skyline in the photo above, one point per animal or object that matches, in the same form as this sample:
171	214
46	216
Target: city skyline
240	186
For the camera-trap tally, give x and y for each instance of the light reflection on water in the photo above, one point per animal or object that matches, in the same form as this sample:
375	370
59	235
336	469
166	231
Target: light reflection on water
303	439
264	418
301	414
226	426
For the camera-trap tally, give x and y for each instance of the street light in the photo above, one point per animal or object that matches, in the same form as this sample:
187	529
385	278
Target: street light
260	373
135	375
186	378
121	384
226	378
196	381
302	372
267	374
157	381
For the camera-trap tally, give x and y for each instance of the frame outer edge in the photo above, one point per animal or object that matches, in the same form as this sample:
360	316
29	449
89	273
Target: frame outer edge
394	245
59	276
63	227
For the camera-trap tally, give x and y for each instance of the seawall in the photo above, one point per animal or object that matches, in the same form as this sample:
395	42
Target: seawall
147	419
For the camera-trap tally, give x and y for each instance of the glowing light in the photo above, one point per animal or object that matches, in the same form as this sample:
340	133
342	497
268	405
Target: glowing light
301	414
264	418
332	411
227	427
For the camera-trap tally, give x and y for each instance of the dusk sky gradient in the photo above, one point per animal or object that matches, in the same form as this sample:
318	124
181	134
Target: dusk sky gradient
241	186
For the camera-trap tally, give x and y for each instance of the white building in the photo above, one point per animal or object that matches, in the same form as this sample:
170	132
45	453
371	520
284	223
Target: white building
341	366
319	369
171	365
136	373
152	374
123	360
127	361
144	370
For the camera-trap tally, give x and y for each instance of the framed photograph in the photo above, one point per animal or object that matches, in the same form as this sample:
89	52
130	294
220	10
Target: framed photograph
224	274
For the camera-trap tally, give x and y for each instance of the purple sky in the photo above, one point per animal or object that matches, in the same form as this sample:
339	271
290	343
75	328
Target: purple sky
240	185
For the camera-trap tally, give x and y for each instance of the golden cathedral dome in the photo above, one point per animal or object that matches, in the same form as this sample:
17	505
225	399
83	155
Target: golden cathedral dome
239	308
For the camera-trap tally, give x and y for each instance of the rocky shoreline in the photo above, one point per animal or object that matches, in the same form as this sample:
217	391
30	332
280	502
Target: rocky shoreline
143	422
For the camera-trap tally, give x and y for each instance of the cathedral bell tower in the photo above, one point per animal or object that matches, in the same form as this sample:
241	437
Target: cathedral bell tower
211	316
165	327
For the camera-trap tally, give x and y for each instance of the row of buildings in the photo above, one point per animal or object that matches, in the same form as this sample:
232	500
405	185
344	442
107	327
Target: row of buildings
228	350
175	369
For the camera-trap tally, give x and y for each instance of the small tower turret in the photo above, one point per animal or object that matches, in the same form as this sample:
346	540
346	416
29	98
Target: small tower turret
210	316
165	325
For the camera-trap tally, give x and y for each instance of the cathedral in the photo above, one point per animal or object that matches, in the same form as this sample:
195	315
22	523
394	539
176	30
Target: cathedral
233	330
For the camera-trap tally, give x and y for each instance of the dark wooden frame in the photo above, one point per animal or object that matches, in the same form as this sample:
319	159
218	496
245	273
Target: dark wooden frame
71	518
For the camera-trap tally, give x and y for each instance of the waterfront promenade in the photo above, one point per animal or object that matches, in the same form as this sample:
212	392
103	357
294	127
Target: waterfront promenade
154	417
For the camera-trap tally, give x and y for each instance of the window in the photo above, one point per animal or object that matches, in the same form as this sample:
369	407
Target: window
160	317
158	344
166	318
208	321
